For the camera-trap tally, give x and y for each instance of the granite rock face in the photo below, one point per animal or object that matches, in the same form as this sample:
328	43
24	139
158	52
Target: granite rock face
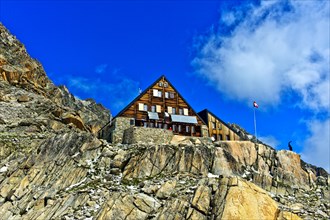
52	166
73	175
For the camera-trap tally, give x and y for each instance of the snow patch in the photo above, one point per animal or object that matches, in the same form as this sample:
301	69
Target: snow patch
74	185
211	175
3	169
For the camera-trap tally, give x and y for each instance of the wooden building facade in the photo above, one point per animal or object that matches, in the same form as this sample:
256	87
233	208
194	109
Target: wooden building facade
218	129
161	106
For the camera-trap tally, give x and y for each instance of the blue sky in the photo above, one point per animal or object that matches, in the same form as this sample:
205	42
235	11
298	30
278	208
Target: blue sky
220	55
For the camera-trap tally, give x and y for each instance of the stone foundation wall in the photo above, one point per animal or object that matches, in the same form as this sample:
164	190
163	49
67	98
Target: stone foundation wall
105	132
117	129
148	135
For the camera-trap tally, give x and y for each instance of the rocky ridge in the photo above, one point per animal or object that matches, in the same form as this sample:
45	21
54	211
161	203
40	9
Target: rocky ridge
20	70
53	167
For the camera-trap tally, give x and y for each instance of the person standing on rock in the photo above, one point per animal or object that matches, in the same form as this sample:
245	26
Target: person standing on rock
289	146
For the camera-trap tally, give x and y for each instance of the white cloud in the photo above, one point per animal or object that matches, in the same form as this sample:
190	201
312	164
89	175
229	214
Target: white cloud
270	140
273	48
316	147
101	68
81	83
272	51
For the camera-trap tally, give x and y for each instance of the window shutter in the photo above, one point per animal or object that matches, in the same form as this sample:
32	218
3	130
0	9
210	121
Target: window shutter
158	108
173	111
141	106
185	111
169	109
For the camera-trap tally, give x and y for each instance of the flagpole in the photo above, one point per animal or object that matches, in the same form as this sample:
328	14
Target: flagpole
255	123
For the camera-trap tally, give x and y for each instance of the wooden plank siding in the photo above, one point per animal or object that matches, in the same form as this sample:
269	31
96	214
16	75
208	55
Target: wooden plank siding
218	129
175	101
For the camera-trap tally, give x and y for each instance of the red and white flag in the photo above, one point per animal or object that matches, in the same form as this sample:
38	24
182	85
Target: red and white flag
255	104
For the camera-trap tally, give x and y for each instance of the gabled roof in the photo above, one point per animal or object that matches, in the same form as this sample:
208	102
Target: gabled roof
138	97
205	111
153	84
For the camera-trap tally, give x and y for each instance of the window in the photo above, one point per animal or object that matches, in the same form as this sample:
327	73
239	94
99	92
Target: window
187	129
169	109
160	84
172	95
173	111
153	108
157	93
220	137
193	129
180	111
158	108
174	127
185	111
166	95
132	122
228	137
213	125
219	126
165	84
145	107
159	125
165	126
141	106
179	128
151	125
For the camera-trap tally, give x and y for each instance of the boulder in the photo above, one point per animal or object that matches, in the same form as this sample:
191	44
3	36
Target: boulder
23	98
245	200
166	190
202	199
71	118
291	170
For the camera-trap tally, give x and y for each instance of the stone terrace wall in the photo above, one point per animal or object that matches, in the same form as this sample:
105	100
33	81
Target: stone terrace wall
140	134
205	131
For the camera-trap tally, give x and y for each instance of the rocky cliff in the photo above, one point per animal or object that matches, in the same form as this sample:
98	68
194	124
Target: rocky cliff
53	167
